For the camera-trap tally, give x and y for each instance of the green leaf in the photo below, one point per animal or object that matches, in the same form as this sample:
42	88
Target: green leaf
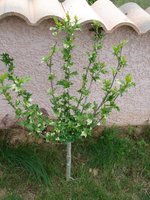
1	91
87	106
6	59
84	91
128	78
123	61
24	79
118	48
74	73
3	77
51	77
113	71
64	83
84	78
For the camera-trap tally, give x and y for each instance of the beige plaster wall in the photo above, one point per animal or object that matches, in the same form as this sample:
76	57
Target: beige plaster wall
28	44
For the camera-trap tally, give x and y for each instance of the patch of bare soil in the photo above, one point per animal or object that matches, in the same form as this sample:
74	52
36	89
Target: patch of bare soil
28	196
2	193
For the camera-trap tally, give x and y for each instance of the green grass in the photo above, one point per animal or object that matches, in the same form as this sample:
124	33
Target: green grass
24	159
121	161
142	3
12	196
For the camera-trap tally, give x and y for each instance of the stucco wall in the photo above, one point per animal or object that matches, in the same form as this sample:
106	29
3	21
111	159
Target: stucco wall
28	44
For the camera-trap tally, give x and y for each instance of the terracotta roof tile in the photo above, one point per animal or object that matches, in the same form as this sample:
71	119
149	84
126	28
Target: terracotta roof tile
46	9
81	9
15	7
148	10
139	16
111	17
32	11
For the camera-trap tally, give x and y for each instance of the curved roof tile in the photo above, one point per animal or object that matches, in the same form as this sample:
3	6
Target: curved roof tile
15	7
148	10
139	16
115	18
32	11
81	9
42	9
104	11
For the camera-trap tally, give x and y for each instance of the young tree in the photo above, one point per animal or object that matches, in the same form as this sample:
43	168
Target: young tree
75	115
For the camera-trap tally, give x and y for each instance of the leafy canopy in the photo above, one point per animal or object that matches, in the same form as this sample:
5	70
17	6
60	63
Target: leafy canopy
75	115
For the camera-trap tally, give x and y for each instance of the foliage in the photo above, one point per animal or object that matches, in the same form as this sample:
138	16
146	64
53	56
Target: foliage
22	106
25	158
75	115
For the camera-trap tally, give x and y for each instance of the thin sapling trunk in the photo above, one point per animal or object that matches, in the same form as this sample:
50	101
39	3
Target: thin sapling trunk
68	164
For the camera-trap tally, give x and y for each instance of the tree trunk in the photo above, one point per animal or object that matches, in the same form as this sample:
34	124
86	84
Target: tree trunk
68	165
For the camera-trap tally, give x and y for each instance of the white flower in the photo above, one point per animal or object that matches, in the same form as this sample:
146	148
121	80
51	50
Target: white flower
118	81
83	134
52	29
66	46
57	139
30	100
89	121
52	134
98	124
54	33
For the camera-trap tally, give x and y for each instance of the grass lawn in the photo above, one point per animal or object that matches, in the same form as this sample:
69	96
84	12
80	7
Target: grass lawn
113	166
